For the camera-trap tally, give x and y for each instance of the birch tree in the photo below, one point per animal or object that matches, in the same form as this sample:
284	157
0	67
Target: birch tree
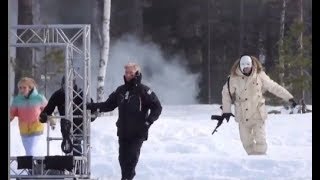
104	53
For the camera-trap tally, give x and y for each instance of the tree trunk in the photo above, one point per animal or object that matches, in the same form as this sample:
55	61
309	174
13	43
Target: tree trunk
262	54
282	22
262	33
36	12
209	54
97	21
241	25
137	17
24	55
35	51
105	50
301	40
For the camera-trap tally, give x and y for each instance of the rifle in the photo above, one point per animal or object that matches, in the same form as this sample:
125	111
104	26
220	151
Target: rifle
220	121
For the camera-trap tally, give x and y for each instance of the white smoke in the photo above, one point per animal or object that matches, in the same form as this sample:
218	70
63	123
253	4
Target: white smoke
168	78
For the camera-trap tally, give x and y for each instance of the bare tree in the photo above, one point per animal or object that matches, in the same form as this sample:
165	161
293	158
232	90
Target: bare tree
301	40
281	49
36	12
23	65
137	19
241	26
35	51
97	21
209	49
104	53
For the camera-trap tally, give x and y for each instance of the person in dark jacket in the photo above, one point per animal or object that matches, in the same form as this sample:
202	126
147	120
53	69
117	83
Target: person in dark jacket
133	100
58	100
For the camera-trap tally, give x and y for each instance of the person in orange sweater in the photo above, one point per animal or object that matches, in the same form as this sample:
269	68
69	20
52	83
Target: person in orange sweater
27	106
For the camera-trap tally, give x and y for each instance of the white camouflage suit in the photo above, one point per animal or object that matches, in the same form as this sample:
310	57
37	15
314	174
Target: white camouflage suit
250	110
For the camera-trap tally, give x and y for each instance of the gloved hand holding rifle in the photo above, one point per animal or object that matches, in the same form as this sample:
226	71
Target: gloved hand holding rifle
220	119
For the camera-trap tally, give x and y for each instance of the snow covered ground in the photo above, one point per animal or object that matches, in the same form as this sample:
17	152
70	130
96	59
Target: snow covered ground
181	147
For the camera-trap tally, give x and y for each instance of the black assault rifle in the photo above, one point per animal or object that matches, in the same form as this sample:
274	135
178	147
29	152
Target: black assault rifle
220	121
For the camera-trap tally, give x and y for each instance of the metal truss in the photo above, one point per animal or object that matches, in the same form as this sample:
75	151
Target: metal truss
75	38
38	170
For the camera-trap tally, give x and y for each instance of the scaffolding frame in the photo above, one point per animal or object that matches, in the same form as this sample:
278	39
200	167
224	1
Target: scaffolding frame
58	35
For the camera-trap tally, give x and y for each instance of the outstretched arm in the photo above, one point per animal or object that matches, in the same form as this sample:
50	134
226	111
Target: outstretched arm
52	103
49	108
274	88
109	105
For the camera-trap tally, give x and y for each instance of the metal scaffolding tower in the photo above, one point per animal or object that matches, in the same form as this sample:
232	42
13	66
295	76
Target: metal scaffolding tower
75	44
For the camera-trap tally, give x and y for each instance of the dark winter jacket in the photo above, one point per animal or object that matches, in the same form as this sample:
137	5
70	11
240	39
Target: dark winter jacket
58	100
133	100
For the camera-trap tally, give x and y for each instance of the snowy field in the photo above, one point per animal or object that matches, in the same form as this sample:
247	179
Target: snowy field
181	147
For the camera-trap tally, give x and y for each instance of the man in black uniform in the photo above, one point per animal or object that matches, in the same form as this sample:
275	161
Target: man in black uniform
58	100
133	100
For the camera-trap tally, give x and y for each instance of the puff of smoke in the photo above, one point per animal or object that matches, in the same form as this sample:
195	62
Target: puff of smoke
168	78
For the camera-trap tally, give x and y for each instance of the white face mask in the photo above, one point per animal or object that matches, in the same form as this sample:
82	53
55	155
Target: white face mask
245	61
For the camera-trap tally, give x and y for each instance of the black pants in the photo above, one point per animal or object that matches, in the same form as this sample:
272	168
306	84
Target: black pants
129	152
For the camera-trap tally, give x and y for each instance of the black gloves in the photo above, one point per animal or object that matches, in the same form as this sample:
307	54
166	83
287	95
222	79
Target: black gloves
92	107
137	78
43	117
147	124
227	116
93	118
293	103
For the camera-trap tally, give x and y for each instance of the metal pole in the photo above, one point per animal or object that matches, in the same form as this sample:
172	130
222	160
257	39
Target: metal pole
45	72
86	121
46	26
84	98
9	87
66	88
70	85
89	96
48	139
33	73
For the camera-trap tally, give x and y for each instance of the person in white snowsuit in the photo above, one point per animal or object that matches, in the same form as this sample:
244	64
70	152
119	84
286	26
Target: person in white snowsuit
245	87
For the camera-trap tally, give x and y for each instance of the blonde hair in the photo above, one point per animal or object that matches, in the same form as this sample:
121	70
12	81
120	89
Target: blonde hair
135	66
27	81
